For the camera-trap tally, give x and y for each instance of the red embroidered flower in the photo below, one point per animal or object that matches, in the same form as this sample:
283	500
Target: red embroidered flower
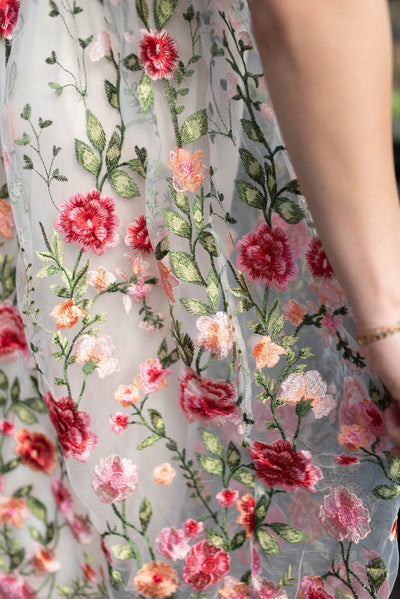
192	528
35	450
13	587
137	237
12	336
205	565
158	54
346	460
89	221
227	497
344	517
313	588
267	256
279	465
72	427
207	400
62	497
317	262
8	17
246	506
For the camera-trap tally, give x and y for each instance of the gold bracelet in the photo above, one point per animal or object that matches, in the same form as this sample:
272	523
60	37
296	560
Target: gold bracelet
378	333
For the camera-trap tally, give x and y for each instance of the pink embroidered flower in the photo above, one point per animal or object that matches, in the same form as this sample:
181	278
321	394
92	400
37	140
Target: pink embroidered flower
88	572
13	510
66	314
101	47
294	312
215	335
89	221
6	219
158	54
80	528
6	158
44	560
279	465
344	517
309	386
152	376
233	589
8	17
206	400
187	169
168	281
163	474
172	543
36	451
127	395
137	237
267	353
119	422
346	460
72	427
304	514
227	497
62	496
205	565
313	588
267	111
192	528
99	350
7	428
114	479
354	395
317	261
12	336
297	234
157	580
262	588
100	279
267	256
12	586
246	506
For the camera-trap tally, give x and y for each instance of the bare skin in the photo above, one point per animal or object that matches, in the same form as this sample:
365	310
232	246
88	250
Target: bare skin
329	71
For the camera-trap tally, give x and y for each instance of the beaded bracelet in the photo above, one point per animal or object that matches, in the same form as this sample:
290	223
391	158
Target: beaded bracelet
378	333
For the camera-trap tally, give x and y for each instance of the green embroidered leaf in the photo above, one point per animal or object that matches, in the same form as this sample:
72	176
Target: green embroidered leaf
17	557
185	268
123	552
249	194
28	166
188	350
37	404
112	94
43	124
131	62
48	271
252	167
209	465
212	289
26	113
176	223
54	9
24	140
252	131
386	491
10	465
123	184
164	11
196	307
86	157
243	306
157	421
50	530
148	442
268	543
36	535
162	248
377	573
246	477
215	538
207	240
179	198
3	565
116	577
238	540
233	456
113	153
394	466
37	508
23	491
137	167
57	87
380	398
212	443
197	215
23	414
289	210
260	512
143	11
194	127
95	131
343	594
289	533
3	380
145	93
145	513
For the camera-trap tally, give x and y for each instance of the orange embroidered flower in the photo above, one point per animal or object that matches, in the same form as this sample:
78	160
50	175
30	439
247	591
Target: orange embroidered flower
267	353
393	533
237	590
127	395
294	312
13	511
215	335
188	169
156	579
100	279
6	219
164	474
246	506
168	281
67	314
353	437
44	560
36	451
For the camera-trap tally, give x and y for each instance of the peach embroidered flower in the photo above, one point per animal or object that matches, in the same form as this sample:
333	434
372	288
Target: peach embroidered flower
294	312
309	386
100	279
164	474
353	437
13	511
88	572
246	506
156	579
215	335
233	589
67	314
267	353
168	281
393	532
98	350
188	170
127	395
6	219
44	560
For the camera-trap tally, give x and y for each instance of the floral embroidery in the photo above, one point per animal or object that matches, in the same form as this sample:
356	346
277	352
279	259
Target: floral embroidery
6	219
164	474
158	54
156	579
8	17
205	565
267	353
12	336
215	335
317	261
137	237
246	506
344	517
187	169
67	314
35	450
114	479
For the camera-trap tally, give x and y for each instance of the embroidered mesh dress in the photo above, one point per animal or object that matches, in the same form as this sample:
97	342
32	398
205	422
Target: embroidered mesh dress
184	411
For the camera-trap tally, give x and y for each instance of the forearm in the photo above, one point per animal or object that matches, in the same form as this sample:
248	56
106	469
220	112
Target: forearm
329	70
